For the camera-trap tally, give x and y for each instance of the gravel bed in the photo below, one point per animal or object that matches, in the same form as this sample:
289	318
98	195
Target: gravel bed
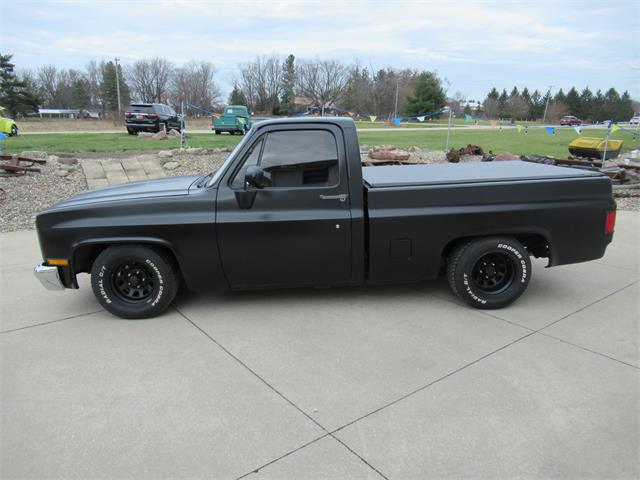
27	195
195	164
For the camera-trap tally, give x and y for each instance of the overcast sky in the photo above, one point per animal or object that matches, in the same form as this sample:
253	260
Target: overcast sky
473	44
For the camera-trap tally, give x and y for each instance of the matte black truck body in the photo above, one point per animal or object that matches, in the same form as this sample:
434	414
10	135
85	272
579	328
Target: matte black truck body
329	221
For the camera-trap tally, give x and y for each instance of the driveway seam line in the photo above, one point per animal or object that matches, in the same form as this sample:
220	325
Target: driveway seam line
271	462
589	350
50	322
276	391
437	380
589	305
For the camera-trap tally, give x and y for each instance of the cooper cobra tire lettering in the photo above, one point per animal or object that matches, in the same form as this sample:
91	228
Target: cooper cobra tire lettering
160	268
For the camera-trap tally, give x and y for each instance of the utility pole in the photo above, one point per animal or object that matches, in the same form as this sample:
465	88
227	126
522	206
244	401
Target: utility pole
118	86
546	106
395	110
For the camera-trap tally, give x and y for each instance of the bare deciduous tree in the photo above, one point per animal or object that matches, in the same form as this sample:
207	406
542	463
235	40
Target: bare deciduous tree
149	79
261	82
323	81
195	83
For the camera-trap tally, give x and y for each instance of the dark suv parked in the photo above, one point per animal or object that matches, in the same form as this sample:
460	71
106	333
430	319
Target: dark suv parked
150	117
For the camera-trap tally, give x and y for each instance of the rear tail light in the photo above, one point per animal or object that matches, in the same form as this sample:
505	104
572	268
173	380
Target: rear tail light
610	222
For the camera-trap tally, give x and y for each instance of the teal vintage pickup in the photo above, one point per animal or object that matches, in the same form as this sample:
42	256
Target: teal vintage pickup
235	118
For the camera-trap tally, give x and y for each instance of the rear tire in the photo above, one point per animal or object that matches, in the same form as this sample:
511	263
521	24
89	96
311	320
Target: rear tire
218	132
134	281
131	131
489	273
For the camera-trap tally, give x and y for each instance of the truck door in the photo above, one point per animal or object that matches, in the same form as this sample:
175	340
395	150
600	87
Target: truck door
297	230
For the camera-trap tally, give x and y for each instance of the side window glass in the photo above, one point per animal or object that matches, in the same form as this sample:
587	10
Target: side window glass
299	158
251	158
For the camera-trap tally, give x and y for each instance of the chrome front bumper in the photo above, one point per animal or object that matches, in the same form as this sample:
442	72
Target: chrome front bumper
49	277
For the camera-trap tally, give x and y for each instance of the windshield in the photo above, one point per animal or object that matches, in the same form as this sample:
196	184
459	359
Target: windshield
222	168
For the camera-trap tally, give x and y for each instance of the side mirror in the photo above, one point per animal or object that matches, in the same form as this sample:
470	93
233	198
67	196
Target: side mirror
257	177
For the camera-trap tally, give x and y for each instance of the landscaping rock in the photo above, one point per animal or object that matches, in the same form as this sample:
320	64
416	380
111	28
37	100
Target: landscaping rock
505	156
165	153
414	149
173	134
194	151
364	147
145	135
37	154
53	158
62	173
170	165
161	135
69	168
388	152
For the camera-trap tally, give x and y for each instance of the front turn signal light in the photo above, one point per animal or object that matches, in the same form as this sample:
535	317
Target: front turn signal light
58	262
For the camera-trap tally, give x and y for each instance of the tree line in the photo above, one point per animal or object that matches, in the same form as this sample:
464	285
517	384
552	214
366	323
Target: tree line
267	84
586	105
270	84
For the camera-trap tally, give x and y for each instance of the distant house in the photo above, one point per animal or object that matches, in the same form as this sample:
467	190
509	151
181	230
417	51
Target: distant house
473	105
65	113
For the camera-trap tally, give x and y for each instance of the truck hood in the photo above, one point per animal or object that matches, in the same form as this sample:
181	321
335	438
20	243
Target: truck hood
164	187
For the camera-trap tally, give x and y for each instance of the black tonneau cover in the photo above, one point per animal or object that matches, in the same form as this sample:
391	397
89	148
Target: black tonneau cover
456	173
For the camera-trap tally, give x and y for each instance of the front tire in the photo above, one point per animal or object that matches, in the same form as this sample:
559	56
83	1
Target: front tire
14	131
489	273
134	281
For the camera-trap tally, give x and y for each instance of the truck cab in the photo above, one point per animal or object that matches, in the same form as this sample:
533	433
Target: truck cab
234	119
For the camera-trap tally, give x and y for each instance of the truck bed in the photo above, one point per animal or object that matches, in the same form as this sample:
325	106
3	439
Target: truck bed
416	211
459	173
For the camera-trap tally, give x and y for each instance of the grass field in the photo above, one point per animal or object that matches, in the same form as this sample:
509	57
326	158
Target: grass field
535	142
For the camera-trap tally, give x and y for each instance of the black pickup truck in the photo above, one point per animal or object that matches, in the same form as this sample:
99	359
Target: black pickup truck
292	206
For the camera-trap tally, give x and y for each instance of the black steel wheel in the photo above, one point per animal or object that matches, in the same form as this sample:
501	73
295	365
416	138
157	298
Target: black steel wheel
493	273
489	272
134	281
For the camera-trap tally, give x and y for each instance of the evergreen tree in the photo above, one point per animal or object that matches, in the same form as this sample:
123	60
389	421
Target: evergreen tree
15	95
109	89
625	110
560	97
288	85
502	104
598	113
80	97
537	106
572	101
586	104
493	94
428	95
237	97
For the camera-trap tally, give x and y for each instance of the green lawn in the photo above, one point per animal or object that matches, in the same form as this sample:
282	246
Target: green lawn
535	142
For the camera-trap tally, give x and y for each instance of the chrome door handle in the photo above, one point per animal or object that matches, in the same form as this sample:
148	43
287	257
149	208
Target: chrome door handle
342	197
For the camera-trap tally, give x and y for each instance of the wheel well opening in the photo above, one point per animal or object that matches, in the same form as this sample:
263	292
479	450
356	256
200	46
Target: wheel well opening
84	256
536	244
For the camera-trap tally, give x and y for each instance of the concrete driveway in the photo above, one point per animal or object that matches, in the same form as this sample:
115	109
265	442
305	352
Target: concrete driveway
398	382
